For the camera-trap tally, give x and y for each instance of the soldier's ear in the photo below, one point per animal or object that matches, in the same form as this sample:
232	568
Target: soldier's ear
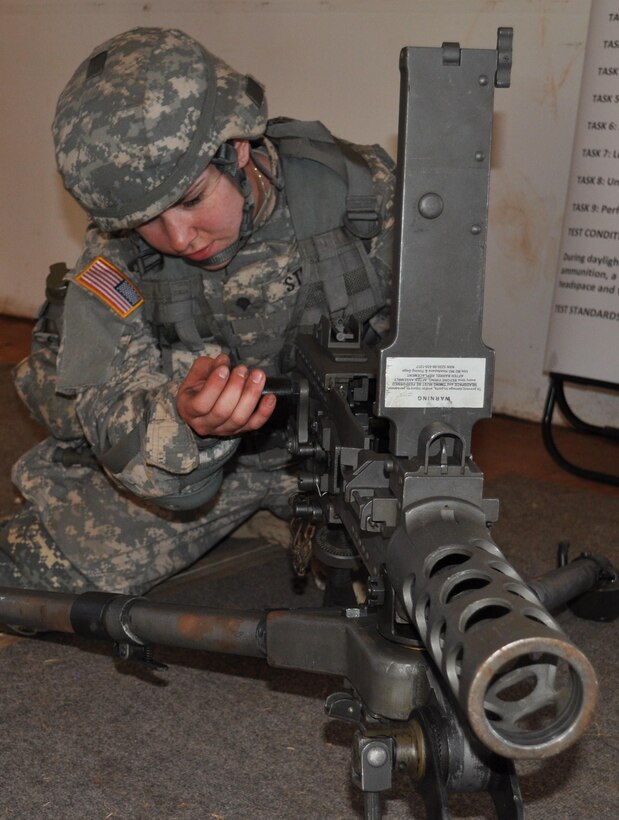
242	151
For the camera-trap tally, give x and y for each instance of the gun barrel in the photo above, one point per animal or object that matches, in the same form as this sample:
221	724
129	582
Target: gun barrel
134	620
526	690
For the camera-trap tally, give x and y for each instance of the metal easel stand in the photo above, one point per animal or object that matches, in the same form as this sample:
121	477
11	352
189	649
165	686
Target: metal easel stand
556	397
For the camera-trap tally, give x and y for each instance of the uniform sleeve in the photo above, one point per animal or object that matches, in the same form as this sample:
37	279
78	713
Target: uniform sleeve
125	403
132	424
35	381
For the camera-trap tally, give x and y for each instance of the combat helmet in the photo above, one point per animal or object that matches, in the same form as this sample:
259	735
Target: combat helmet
142	118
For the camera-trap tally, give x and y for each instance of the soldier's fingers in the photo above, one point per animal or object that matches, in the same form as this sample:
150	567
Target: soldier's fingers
200	370
239	399
262	413
194	402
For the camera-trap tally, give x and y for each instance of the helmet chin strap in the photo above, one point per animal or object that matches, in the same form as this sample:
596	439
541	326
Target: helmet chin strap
226	161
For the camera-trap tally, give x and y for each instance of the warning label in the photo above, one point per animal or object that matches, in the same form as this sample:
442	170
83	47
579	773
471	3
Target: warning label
434	382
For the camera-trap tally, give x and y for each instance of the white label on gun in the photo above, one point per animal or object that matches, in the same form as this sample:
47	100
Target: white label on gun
434	382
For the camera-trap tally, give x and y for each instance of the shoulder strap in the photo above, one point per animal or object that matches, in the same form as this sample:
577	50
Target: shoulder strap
335	212
176	306
315	162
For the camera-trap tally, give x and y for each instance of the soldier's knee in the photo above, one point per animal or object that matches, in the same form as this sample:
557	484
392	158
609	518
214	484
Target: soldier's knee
29	557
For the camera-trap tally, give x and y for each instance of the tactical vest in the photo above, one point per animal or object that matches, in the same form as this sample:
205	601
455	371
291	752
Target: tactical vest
335	213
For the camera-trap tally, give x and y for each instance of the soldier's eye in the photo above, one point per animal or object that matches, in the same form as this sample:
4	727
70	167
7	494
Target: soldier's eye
193	202
204	188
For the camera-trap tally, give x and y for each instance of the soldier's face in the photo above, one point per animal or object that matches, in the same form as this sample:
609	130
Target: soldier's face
205	221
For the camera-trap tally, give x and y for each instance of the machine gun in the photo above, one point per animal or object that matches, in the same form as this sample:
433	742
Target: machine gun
455	666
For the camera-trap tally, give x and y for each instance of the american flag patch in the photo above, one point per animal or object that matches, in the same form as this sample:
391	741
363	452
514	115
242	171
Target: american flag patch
108	283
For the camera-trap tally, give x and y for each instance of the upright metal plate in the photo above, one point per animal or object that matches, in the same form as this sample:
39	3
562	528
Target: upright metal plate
436	366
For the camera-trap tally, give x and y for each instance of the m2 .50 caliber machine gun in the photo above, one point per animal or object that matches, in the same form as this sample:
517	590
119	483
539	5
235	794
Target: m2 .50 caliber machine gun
455	666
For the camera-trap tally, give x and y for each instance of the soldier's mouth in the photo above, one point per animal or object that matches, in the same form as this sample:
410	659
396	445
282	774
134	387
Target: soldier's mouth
204	253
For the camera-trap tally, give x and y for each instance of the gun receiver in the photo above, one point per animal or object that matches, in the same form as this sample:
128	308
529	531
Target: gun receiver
412	505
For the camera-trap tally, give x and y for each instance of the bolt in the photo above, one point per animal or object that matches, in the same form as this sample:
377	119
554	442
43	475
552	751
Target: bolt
376	755
353	612
430	206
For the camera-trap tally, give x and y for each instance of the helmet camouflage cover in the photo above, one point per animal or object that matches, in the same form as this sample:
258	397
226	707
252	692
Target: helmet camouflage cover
141	119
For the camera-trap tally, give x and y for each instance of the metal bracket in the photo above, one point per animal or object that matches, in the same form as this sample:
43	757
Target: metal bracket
505	37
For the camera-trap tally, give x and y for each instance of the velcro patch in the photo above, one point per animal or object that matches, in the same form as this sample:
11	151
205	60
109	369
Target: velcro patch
111	285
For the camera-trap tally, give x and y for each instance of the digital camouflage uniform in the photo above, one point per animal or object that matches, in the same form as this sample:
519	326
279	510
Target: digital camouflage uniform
156	497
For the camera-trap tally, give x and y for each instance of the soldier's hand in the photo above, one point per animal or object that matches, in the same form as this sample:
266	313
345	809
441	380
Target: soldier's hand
217	400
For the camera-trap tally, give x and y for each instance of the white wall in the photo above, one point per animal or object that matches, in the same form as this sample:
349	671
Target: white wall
336	60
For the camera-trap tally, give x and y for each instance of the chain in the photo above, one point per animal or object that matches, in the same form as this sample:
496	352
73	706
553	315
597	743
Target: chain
302	535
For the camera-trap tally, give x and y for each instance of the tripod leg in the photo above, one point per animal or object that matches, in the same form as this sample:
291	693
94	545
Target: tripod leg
339	589
372	806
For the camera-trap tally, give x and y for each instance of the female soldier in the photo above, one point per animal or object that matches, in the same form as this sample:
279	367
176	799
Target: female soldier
214	236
